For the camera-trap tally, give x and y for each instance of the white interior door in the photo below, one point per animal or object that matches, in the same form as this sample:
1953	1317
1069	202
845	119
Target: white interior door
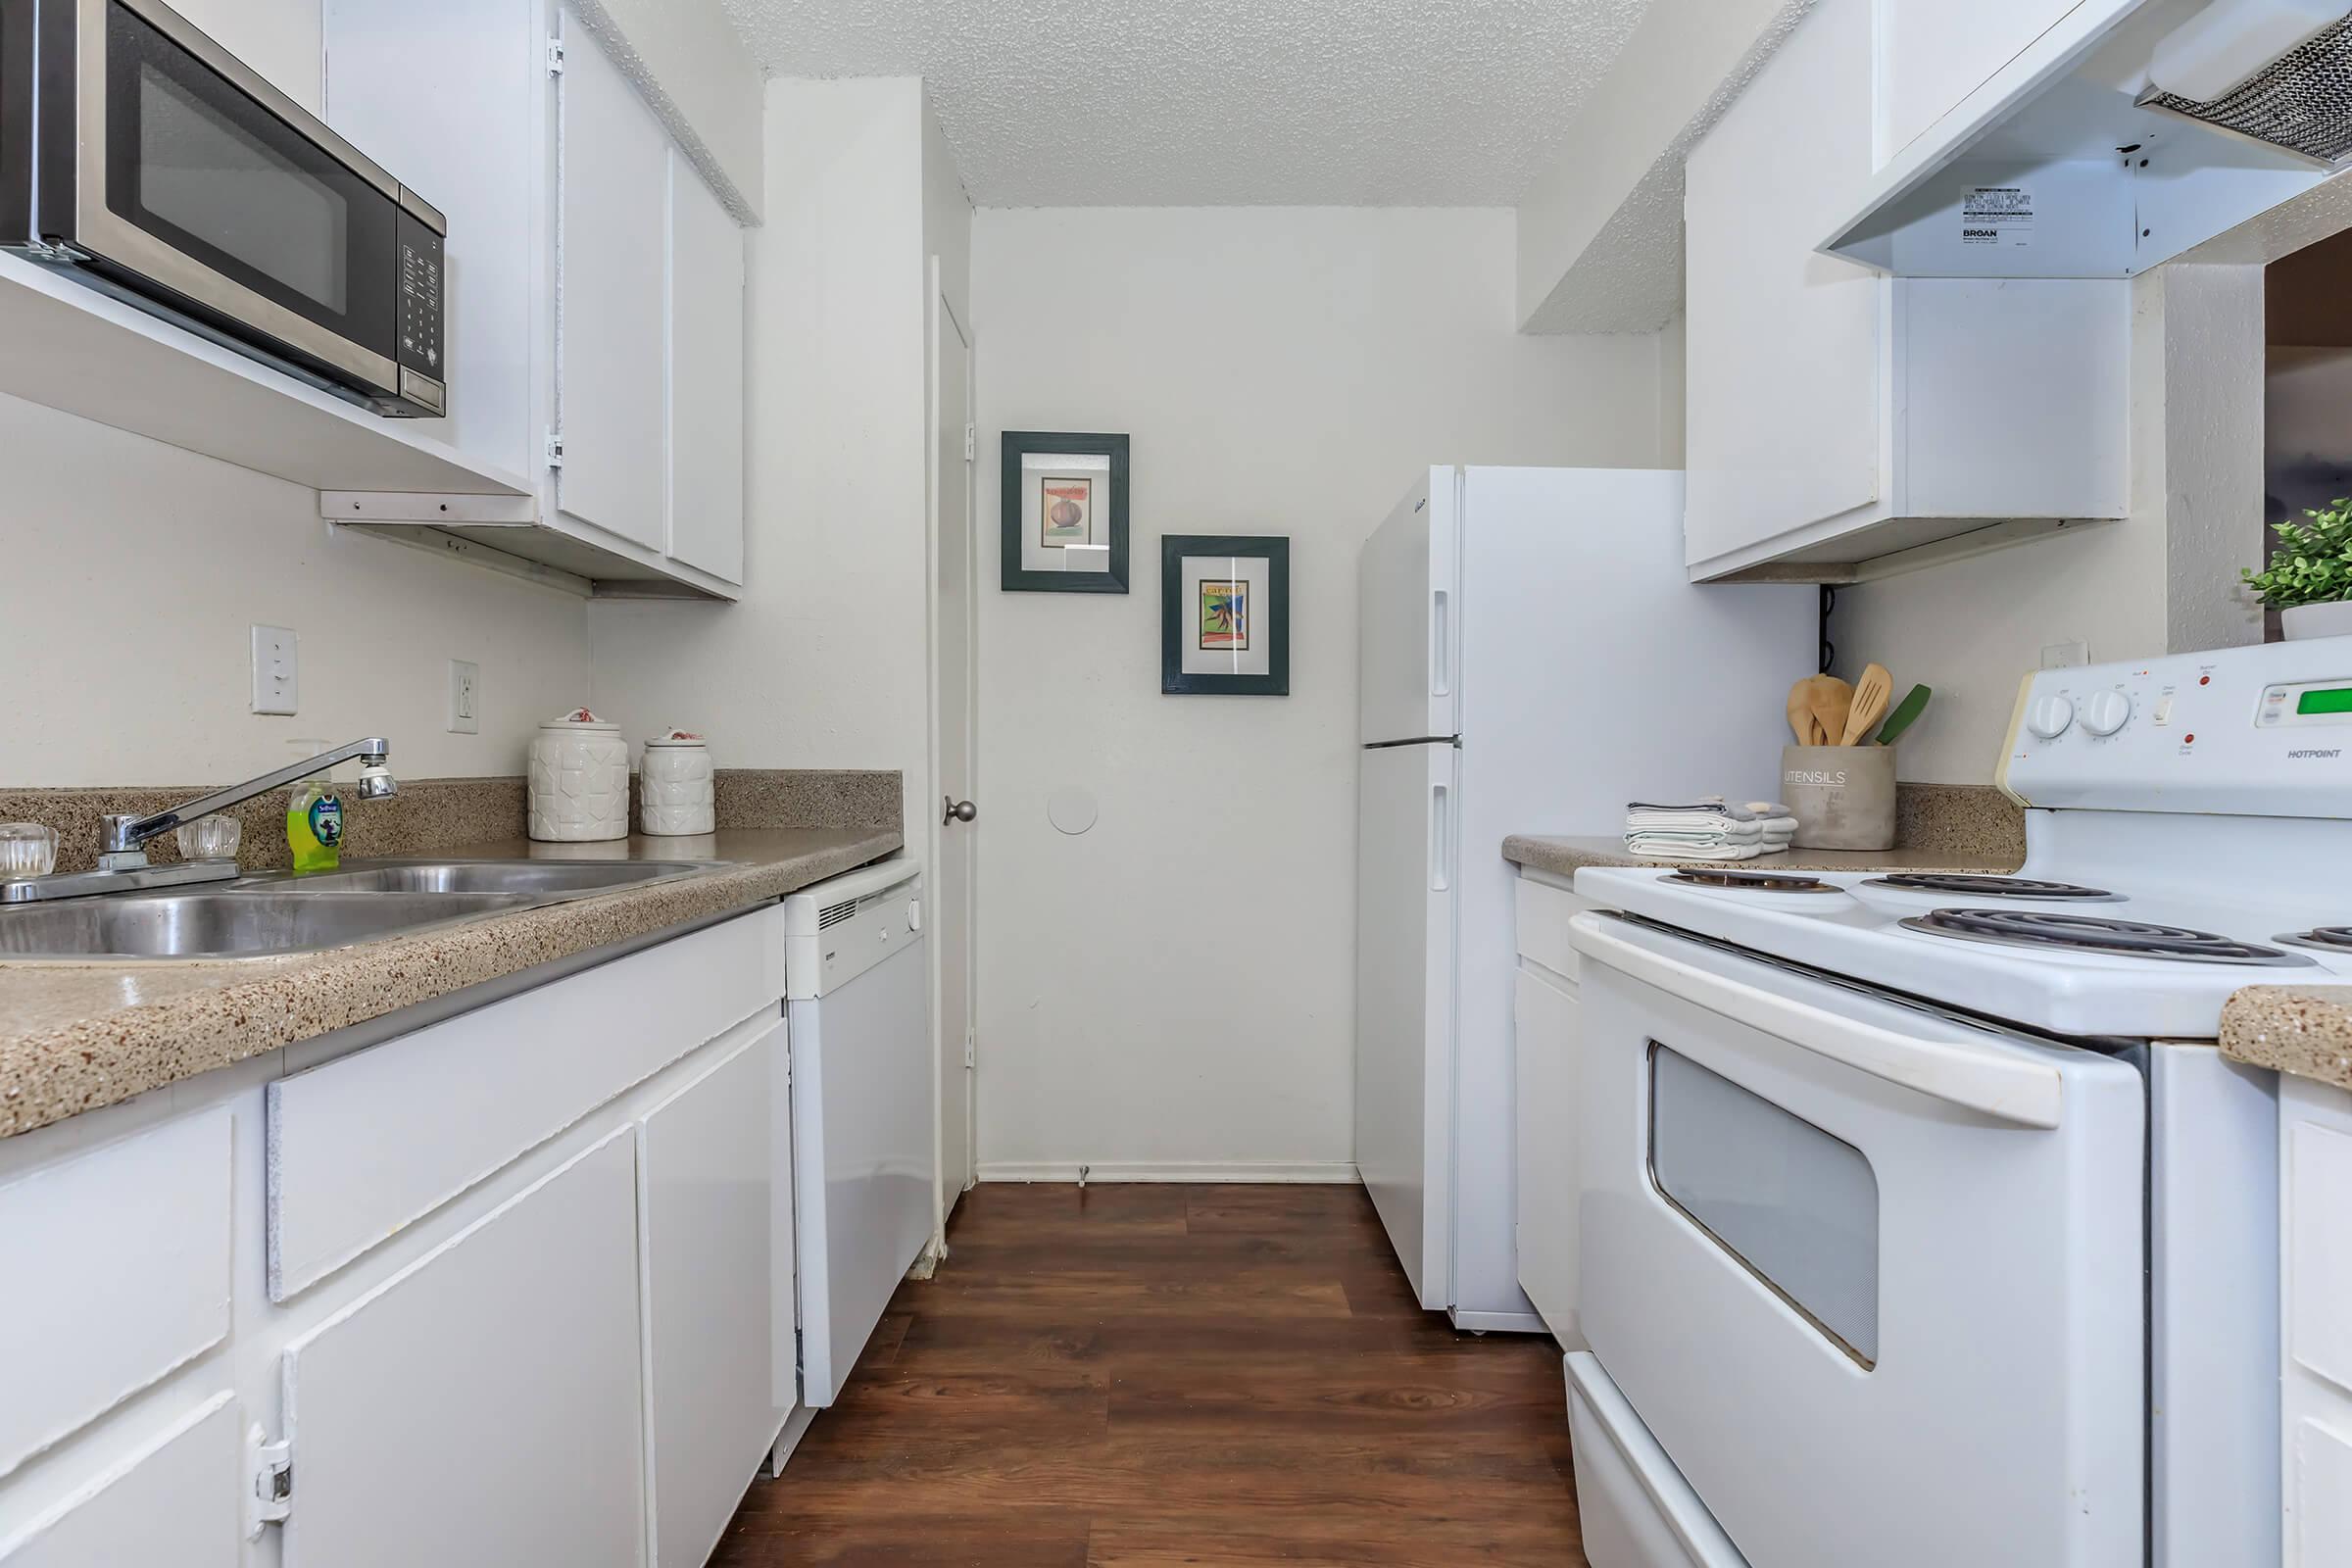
955	711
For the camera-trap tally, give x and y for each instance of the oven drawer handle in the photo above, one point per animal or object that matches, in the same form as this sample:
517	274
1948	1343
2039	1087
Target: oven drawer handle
2024	1093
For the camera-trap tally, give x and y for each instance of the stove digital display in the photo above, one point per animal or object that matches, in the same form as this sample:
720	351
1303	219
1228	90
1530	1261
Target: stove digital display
2331	699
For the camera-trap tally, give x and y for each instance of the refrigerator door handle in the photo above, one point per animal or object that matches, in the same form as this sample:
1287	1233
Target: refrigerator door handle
1440	837
1440	646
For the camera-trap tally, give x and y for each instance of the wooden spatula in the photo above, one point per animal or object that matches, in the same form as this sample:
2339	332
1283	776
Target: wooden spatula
1869	705
1826	698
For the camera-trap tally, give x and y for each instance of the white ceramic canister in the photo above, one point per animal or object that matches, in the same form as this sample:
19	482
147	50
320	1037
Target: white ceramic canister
579	780
675	794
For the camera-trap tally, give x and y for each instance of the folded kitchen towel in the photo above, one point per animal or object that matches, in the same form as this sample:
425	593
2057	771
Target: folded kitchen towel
1707	829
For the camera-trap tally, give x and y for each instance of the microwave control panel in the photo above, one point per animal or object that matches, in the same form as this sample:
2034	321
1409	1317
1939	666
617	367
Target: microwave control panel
2264	730
419	351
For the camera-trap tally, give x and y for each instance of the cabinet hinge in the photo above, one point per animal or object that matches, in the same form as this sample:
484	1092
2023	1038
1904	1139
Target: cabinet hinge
555	57
270	1468
555	449
967	1047
971	443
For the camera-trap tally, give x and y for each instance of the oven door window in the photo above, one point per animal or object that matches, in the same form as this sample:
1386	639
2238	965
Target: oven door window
1795	1206
195	163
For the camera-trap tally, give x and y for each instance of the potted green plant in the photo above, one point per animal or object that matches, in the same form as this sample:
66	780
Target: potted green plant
2309	580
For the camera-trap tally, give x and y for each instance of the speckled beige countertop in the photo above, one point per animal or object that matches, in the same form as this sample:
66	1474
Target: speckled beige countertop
1564	856
75	1036
1939	827
2305	1030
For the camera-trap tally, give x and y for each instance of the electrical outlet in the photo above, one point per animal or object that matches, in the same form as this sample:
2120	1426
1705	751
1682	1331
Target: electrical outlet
464	696
277	671
2065	656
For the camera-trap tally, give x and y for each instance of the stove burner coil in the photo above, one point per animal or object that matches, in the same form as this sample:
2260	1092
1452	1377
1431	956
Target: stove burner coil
1994	887
2091	933
1750	881
2326	938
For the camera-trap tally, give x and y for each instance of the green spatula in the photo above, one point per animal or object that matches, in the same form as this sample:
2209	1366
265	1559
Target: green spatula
1914	703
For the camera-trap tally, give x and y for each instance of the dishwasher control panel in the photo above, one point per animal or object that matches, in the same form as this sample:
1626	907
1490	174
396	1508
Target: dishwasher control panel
838	929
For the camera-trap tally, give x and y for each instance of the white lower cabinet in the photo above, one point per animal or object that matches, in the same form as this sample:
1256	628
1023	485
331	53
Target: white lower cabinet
483	1407
2315	1171
702	1166
173	1499
1545	1040
542	1313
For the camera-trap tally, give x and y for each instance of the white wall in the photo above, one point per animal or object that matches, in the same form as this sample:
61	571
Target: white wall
1176	985
2164	579
138	570
823	663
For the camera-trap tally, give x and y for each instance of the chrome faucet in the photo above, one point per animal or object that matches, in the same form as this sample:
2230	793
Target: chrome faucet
123	865
121	833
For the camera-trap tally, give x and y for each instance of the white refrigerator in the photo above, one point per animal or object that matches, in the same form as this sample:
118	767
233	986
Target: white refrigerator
1531	657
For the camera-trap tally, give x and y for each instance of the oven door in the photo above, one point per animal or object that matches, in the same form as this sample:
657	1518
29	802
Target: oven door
1870	1274
190	176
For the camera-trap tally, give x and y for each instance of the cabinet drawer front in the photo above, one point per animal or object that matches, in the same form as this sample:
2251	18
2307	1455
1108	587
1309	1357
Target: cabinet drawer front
117	1265
1544	911
364	1145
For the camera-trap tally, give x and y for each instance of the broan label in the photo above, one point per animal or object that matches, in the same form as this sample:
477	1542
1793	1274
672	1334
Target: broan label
1996	215
1834	780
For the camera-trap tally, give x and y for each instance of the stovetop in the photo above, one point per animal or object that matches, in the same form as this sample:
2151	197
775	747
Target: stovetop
2068	955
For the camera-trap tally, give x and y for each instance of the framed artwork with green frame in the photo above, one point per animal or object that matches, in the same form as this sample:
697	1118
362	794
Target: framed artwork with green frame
1064	519
1225	614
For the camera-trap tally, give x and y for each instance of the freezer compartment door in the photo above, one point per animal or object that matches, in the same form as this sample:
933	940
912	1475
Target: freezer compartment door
1408	618
1407	859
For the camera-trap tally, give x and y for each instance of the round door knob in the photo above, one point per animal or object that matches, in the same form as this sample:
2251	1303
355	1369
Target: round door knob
957	811
2105	712
2049	716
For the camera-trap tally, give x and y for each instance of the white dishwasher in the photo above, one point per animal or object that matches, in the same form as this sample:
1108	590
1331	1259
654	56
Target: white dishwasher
857	991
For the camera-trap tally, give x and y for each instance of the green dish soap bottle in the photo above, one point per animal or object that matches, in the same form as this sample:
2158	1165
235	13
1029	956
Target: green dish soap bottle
315	820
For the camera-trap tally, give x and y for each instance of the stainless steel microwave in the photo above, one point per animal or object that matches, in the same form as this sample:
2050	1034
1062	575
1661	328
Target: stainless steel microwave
141	154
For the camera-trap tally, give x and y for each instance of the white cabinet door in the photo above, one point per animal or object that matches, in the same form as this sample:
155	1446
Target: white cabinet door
173	1499
614	270
703	1168
1784	345
2314	1173
482	1408
706	377
1933	53
1544	1020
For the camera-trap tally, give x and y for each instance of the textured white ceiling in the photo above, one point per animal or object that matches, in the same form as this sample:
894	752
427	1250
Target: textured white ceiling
1212	102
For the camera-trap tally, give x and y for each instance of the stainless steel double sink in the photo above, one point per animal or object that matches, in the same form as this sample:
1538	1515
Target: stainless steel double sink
280	914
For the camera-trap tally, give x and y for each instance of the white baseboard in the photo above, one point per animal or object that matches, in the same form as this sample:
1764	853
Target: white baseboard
1330	1172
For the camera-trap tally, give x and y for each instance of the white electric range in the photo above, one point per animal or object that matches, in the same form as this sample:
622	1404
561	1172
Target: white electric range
1921	1220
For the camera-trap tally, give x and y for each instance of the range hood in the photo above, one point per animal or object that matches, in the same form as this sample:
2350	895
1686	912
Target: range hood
2129	131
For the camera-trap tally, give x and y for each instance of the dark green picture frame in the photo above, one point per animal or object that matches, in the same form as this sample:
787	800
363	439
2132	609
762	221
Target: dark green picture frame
1176	618
1013	577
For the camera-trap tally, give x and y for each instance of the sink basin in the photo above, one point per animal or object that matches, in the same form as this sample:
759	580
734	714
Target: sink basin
541	879
231	924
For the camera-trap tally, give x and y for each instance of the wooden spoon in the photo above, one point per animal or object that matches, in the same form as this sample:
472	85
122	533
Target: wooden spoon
1869	704
1800	712
1826	698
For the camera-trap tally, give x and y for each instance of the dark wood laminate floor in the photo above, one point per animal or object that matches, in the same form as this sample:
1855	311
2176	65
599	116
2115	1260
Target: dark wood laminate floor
1143	1376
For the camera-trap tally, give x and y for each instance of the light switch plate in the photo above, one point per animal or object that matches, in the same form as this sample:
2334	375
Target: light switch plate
464	696
277	671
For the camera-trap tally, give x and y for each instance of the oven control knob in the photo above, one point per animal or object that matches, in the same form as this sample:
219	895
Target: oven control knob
2049	716
2105	712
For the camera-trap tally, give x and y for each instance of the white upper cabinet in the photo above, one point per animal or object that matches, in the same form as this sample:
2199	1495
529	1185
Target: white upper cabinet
593	277
706	377
612	301
1933	53
1838	416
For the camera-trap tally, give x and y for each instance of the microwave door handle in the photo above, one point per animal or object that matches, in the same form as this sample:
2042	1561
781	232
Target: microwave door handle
1992	1083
